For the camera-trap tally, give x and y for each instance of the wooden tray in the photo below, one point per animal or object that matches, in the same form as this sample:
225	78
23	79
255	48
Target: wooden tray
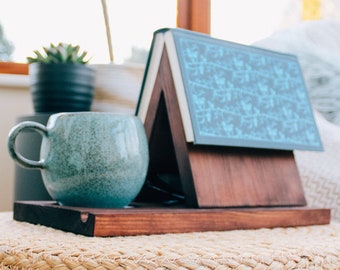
158	220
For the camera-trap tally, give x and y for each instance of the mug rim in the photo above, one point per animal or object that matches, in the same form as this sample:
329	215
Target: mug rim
53	117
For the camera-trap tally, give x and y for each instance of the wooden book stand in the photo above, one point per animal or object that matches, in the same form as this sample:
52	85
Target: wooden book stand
215	176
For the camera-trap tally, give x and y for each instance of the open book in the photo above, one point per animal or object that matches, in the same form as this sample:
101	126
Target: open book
233	95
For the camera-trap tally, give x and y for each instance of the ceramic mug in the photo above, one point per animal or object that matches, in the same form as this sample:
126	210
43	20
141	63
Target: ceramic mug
89	159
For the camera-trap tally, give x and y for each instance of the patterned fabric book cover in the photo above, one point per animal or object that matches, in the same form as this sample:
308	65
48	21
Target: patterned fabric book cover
240	95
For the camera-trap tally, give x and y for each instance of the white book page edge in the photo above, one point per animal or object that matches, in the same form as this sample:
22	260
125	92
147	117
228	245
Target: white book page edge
180	91
151	76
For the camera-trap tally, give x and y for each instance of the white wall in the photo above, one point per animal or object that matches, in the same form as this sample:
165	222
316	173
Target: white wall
15	100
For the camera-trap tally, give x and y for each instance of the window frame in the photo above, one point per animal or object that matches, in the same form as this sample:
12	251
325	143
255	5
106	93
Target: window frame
191	14
194	15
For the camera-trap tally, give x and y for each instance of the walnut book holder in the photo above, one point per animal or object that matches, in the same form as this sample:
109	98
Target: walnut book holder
214	176
195	90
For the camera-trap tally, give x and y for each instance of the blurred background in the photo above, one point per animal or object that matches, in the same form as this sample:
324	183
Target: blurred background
29	25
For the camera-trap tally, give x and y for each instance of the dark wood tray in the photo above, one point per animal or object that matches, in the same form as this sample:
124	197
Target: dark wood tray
158	220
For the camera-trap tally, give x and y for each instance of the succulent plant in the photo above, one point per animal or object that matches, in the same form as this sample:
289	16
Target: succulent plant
61	53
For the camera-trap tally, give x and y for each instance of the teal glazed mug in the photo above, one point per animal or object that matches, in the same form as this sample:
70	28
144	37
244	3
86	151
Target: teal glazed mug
89	159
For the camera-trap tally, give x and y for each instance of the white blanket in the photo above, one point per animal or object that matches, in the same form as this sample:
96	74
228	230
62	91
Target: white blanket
317	45
320	171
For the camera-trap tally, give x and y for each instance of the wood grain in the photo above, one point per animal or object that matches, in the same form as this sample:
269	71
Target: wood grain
13	68
194	15
158	220
227	176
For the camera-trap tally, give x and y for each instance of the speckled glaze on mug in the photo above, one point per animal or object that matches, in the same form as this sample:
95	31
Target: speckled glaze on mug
89	159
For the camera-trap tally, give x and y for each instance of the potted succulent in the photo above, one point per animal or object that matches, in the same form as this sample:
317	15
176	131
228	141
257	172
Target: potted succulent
60	80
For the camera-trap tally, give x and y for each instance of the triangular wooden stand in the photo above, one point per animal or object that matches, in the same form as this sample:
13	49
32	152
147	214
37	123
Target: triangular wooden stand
214	176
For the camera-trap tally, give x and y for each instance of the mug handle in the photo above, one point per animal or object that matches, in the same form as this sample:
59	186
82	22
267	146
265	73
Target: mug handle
14	132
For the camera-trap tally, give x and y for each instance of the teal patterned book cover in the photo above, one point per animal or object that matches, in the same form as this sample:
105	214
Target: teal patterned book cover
244	96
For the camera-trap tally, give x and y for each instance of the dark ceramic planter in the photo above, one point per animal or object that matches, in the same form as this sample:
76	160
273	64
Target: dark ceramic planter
61	87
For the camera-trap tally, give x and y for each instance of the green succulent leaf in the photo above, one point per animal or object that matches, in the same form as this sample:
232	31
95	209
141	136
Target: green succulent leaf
61	53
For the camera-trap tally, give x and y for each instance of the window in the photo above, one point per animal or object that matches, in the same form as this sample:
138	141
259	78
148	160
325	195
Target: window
35	23
246	21
29	25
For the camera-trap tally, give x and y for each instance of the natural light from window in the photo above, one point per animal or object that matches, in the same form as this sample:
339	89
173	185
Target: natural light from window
246	21
35	23
29	25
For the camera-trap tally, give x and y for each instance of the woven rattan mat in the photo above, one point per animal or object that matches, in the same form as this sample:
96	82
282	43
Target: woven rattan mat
27	246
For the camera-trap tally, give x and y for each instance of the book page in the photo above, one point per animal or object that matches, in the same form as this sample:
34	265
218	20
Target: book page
150	75
181	96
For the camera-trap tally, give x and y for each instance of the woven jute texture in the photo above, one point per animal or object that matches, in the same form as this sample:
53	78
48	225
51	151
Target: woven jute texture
319	171
28	246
